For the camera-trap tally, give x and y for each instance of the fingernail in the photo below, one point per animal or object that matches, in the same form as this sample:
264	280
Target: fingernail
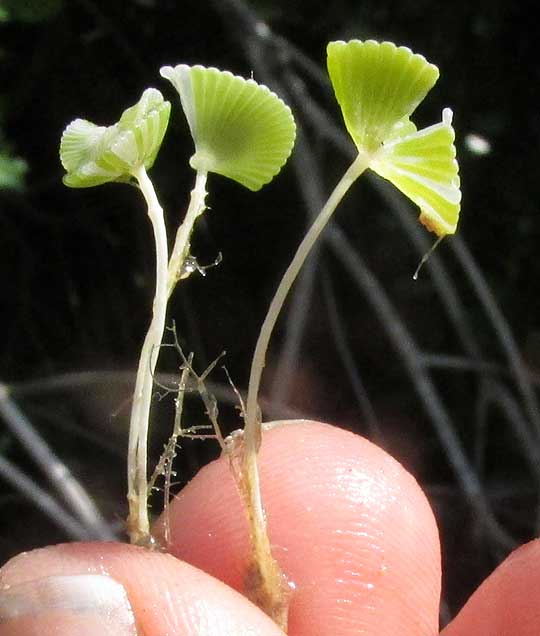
81	605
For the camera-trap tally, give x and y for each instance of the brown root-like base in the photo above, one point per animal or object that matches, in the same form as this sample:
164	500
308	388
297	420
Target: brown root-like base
265	583
267	587
136	537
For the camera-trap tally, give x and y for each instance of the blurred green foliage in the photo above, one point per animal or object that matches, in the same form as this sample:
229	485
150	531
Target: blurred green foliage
29	10
12	171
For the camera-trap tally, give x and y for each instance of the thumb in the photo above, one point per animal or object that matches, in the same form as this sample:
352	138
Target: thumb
111	589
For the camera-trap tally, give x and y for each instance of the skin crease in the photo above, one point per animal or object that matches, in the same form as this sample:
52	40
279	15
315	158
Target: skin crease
350	527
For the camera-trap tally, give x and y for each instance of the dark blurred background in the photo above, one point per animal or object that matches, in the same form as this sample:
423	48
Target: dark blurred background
442	372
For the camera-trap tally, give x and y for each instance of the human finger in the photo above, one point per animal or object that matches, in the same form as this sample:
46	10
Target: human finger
507	602
349	525
113	589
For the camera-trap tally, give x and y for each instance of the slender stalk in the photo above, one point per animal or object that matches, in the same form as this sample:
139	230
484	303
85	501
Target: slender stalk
168	273
183	235
252	429
267	572
138	522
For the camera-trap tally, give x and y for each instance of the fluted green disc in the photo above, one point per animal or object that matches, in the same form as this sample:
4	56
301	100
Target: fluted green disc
92	155
241	129
423	166
377	85
141	130
82	141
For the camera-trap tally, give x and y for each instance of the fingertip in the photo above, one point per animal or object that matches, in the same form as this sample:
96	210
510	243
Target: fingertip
507	601
349	526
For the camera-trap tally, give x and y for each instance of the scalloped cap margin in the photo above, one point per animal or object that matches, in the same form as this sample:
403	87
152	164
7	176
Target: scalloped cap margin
93	155
240	128
423	166
377	85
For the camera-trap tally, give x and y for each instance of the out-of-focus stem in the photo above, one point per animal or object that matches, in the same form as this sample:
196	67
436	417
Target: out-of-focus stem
45	502
55	469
